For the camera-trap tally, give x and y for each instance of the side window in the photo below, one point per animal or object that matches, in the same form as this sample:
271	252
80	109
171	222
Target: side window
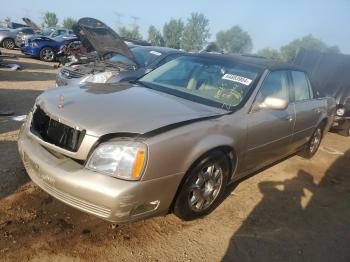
274	85
302	89
27	31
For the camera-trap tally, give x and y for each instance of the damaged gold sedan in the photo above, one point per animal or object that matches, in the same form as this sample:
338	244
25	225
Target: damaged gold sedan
173	140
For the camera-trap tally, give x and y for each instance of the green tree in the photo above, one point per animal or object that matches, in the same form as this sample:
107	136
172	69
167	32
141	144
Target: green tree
154	36
196	32
133	33
50	19
289	51
234	40
172	33
69	22
212	47
270	53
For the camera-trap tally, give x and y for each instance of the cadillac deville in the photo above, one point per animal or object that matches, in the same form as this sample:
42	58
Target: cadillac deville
173	140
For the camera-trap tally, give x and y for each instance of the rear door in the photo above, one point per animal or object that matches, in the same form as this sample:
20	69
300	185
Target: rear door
269	130
307	108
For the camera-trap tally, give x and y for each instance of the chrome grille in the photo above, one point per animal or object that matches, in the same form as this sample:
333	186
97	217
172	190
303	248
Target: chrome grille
54	132
69	74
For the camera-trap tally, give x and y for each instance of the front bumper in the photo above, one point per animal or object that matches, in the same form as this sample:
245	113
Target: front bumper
30	51
112	199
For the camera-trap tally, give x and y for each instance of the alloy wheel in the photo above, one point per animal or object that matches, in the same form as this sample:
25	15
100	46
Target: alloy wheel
47	55
315	140
205	188
9	44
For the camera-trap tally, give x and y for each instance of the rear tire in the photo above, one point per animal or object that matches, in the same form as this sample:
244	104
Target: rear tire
310	149
203	187
47	54
9	43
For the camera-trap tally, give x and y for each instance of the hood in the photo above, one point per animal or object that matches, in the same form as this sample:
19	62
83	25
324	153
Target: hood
31	24
102	109
101	37
38	38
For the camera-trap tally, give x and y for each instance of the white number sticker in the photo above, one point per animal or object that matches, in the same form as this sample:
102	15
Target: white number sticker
239	79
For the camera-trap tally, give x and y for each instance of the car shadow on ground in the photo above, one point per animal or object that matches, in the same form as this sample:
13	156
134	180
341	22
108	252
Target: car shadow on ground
12	174
25	76
298	220
35	65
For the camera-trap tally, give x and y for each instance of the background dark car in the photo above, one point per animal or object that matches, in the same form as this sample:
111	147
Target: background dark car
146	58
330	73
115	61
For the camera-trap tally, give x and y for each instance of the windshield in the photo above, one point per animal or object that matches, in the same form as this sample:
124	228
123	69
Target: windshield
46	31
213	82
118	58
145	56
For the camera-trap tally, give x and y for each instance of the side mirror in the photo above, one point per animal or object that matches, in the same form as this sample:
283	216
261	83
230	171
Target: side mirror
274	103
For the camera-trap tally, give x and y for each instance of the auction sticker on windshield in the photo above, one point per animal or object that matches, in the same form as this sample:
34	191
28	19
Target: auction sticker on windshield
155	53
239	79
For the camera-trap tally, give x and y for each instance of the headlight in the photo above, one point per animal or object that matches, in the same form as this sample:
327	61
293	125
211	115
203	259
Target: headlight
100	78
121	159
340	111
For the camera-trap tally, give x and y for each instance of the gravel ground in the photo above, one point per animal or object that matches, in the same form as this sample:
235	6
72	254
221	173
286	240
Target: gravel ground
297	210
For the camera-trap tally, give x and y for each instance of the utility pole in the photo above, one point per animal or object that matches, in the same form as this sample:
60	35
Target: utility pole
119	18
135	20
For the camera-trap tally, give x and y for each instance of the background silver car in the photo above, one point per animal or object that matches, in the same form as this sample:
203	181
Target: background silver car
8	38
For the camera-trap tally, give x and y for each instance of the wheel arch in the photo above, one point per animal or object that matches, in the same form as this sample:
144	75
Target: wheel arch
231	157
325	125
2	41
47	46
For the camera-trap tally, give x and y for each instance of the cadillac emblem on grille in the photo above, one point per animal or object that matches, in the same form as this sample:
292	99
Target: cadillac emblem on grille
61	101
66	73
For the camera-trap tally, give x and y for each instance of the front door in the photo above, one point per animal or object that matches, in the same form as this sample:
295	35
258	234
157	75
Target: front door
269	130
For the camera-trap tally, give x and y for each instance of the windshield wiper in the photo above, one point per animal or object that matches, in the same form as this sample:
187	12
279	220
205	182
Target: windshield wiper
141	83
122	65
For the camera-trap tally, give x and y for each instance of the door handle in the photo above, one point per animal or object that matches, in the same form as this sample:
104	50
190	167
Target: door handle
289	118
317	110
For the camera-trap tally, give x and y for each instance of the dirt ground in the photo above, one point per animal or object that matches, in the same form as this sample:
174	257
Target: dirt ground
297	210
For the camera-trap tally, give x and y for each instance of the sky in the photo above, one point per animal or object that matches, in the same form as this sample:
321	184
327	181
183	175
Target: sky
270	23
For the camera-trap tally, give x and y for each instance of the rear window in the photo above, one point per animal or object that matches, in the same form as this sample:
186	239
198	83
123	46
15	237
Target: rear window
302	90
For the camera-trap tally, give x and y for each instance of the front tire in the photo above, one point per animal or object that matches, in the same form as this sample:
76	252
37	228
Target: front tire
345	129
312	146
9	43
203	187
47	54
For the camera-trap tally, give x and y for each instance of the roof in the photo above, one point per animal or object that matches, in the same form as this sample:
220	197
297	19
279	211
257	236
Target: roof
258	61
159	49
